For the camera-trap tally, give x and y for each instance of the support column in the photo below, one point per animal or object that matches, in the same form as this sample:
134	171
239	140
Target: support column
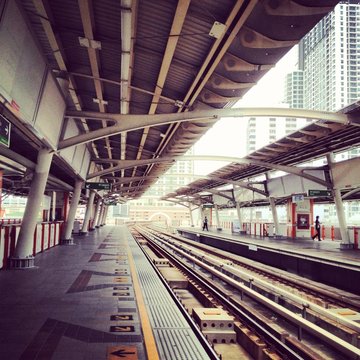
98	224
96	214
105	214
89	207
69	224
345	244
191	215
23	257
238	211
53	206
274	215
217	217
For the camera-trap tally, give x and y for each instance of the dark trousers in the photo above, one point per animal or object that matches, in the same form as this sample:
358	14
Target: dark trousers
317	235
205	226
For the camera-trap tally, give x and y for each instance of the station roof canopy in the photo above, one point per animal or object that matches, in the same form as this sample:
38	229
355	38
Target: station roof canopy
144	57
311	142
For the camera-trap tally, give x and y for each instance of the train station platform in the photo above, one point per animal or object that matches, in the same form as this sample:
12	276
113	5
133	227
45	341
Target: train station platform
98	299
321	261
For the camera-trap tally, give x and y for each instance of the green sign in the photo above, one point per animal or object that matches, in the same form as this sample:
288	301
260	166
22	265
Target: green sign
208	206
97	186
319	193
5	127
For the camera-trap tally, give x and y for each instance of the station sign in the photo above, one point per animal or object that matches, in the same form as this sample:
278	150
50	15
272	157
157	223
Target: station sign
319	193
208	206
97	186
5	128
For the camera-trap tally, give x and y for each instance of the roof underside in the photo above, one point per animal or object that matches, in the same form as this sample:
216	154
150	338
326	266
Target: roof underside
306	144
158	57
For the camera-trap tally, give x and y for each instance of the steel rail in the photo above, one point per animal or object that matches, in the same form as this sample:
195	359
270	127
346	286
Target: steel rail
261	329
349	350
207	347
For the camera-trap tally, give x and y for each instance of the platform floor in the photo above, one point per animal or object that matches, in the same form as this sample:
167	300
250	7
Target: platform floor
83	302
325	249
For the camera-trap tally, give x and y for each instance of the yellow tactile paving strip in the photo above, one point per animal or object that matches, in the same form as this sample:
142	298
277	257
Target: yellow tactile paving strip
149	340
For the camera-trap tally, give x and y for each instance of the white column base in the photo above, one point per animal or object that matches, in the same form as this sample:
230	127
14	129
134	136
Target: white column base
67	241
22	263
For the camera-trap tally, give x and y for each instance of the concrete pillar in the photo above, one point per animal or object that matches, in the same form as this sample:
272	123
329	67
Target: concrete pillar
53	206
23	257
87	217
345	244
274	215
67	239
238	211
191	215
101	213
217	217
105	214
96	213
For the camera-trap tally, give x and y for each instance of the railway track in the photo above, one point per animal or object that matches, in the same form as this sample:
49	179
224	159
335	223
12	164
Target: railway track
295	318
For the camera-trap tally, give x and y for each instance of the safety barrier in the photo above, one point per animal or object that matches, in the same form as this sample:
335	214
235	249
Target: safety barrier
10	221
46	236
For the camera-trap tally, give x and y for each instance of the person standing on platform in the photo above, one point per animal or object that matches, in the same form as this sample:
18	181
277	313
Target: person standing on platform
205	224
317	229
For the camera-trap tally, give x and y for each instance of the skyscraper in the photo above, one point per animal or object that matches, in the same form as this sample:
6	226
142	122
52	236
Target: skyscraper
329	56
294	89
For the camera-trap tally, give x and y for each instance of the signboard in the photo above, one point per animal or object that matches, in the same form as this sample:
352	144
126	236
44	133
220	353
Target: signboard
303	221
208	206
97	186
316	193
5	127
297	198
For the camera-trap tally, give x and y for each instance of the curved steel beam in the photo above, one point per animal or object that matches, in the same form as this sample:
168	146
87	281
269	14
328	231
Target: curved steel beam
135	122
227	181
212	191
127	164
288	169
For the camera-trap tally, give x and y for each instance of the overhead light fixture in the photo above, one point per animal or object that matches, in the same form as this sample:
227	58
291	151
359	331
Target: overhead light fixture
100	101
179	103
217	30
89	43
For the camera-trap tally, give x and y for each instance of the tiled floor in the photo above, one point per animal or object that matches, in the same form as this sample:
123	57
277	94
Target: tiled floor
66	307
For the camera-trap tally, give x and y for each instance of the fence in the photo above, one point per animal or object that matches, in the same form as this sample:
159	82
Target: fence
46	236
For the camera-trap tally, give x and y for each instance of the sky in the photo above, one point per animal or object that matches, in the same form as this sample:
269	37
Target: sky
228	136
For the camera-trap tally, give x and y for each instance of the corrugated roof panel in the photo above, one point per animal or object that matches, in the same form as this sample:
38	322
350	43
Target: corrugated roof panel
66	15
211	10
146	70
178	81
139	102
107	20
194	42
154	23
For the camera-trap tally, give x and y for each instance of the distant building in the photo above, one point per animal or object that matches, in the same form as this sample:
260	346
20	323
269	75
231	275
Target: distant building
329	57
294	89
262	131
150	208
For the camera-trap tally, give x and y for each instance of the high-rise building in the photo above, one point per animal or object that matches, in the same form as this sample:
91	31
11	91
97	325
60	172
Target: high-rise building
329	62
329	56
149	207
294	90
262	131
